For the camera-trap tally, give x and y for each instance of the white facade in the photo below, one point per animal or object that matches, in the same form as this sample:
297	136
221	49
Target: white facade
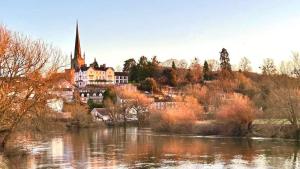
161	105
100	114
81	78
121	79
94	76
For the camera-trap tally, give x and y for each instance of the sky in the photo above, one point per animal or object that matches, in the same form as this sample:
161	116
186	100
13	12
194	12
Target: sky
114	30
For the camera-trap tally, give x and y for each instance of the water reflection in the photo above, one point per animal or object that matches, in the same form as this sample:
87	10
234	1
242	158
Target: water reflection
141	148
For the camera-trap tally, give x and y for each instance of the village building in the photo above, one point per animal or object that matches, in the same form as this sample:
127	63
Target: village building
121	77
91	93
164	102
100	114
83	75
65	90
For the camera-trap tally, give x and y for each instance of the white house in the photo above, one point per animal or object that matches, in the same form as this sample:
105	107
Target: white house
94	75
100	114
121	78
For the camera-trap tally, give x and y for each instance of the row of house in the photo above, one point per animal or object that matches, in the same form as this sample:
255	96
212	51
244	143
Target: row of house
95	75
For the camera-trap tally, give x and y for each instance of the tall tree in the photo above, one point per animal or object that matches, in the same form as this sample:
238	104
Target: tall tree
195	71
225	61
129	64
28	75
206	71
296	64
143	61
173	65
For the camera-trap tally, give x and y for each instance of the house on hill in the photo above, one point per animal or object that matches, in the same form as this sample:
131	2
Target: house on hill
101	114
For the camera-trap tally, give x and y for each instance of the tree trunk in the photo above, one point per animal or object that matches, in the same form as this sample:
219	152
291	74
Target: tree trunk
3	140
2	146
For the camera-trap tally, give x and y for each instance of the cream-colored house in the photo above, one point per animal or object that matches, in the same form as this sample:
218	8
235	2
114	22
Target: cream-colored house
94	75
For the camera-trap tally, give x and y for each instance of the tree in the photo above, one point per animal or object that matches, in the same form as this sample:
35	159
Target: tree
213	64
296	64
284	101
155	61
28	74
173	65
128	65
131	98
245	65
225	61
286	68
149	84
110	94
154	69
143	61
171	76
195	73
268	67
206	71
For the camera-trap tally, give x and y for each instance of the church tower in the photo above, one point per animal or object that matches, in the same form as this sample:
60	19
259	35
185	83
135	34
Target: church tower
78	60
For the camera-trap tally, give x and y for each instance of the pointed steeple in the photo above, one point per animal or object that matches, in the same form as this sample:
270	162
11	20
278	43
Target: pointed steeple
78	61
77	51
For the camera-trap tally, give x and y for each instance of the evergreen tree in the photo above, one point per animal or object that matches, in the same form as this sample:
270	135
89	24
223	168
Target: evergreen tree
206	71
128	65
173	65
225	61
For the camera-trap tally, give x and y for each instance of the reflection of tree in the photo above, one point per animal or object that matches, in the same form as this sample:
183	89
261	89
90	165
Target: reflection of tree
295	156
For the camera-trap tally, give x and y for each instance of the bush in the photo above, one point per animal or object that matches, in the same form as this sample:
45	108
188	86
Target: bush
239	112
181	118
149	84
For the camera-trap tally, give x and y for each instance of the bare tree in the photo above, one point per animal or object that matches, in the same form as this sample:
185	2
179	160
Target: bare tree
27	73
268	67
286	68
245	65
213	64
296	64
132	98
284	101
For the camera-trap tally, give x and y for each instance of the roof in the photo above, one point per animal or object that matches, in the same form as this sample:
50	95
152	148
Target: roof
101	111
85	68
121	74
82	68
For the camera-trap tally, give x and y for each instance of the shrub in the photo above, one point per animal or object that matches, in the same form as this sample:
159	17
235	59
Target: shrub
238	111
180	118
149	84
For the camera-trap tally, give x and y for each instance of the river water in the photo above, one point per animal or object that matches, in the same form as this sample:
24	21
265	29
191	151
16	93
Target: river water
142	148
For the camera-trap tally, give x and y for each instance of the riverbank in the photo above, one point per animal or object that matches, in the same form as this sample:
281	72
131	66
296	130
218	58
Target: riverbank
229	129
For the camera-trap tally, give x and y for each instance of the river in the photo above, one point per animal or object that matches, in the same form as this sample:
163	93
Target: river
142	148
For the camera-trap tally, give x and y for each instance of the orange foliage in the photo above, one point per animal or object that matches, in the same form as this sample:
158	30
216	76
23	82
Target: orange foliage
178	118
129	92
238	108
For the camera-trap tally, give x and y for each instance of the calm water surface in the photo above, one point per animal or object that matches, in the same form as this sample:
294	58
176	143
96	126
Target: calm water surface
142	148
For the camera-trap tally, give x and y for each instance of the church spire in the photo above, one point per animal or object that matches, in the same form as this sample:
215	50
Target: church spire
77	51
78	61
